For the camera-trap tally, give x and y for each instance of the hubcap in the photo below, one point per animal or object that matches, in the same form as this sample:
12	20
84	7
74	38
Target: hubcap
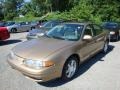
105	47
71	68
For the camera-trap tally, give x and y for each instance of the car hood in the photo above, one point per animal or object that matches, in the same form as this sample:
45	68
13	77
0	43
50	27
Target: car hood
40	48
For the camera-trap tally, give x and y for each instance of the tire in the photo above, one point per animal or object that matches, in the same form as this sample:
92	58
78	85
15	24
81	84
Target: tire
105	48
13	30
117	37
32	28
70	68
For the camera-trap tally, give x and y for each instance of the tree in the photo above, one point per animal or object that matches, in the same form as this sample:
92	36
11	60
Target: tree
95	10
11	8
1	10
63	5
107	10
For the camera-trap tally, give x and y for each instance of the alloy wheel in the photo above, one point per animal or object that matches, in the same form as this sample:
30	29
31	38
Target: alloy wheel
70	68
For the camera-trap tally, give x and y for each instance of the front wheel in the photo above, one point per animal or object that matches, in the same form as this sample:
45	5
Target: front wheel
13	30
70	68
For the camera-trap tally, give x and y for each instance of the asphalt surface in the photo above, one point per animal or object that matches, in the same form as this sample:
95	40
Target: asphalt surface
102	72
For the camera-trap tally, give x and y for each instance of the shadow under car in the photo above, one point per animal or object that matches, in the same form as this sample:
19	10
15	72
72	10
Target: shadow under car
7	42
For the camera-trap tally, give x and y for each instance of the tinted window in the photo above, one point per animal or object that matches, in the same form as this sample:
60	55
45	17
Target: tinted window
9	23
51	24
2	24
23	23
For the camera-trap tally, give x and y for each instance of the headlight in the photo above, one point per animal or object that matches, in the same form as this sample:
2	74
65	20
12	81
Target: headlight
37	64
112	32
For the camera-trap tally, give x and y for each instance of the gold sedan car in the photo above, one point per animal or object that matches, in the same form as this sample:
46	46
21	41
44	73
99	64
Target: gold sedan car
59	52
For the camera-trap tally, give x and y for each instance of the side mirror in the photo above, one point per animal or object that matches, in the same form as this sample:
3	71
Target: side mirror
87	37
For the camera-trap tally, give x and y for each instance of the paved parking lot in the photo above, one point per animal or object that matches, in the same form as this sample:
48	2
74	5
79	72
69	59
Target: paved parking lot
102	72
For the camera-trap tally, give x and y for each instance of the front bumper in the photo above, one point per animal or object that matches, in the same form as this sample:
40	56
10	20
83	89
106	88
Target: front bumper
42	75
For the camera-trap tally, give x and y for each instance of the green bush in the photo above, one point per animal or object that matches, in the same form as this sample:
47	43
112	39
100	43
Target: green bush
85	10
81	12
26	18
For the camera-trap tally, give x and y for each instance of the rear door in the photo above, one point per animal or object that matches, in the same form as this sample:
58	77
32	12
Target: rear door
88	47
99	35
24	26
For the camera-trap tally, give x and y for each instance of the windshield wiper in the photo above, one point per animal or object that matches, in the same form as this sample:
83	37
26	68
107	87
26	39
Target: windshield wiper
58	37
55	37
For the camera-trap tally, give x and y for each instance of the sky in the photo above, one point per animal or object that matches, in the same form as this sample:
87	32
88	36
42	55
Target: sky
27	0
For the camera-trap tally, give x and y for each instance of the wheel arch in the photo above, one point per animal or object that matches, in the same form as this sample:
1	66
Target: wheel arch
77	56
74	55
13	28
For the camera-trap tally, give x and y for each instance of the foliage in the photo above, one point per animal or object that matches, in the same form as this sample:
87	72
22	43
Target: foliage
26	18
10	8
92	10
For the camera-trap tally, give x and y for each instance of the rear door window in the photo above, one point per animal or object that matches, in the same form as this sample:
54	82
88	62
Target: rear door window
97	30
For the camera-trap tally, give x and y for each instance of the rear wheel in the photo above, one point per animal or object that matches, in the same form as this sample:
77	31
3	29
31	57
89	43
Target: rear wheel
32	28
70	68
105	48
117	37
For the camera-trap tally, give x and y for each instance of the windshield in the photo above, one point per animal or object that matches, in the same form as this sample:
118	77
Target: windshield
2	24
111	25
51	24
66	32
